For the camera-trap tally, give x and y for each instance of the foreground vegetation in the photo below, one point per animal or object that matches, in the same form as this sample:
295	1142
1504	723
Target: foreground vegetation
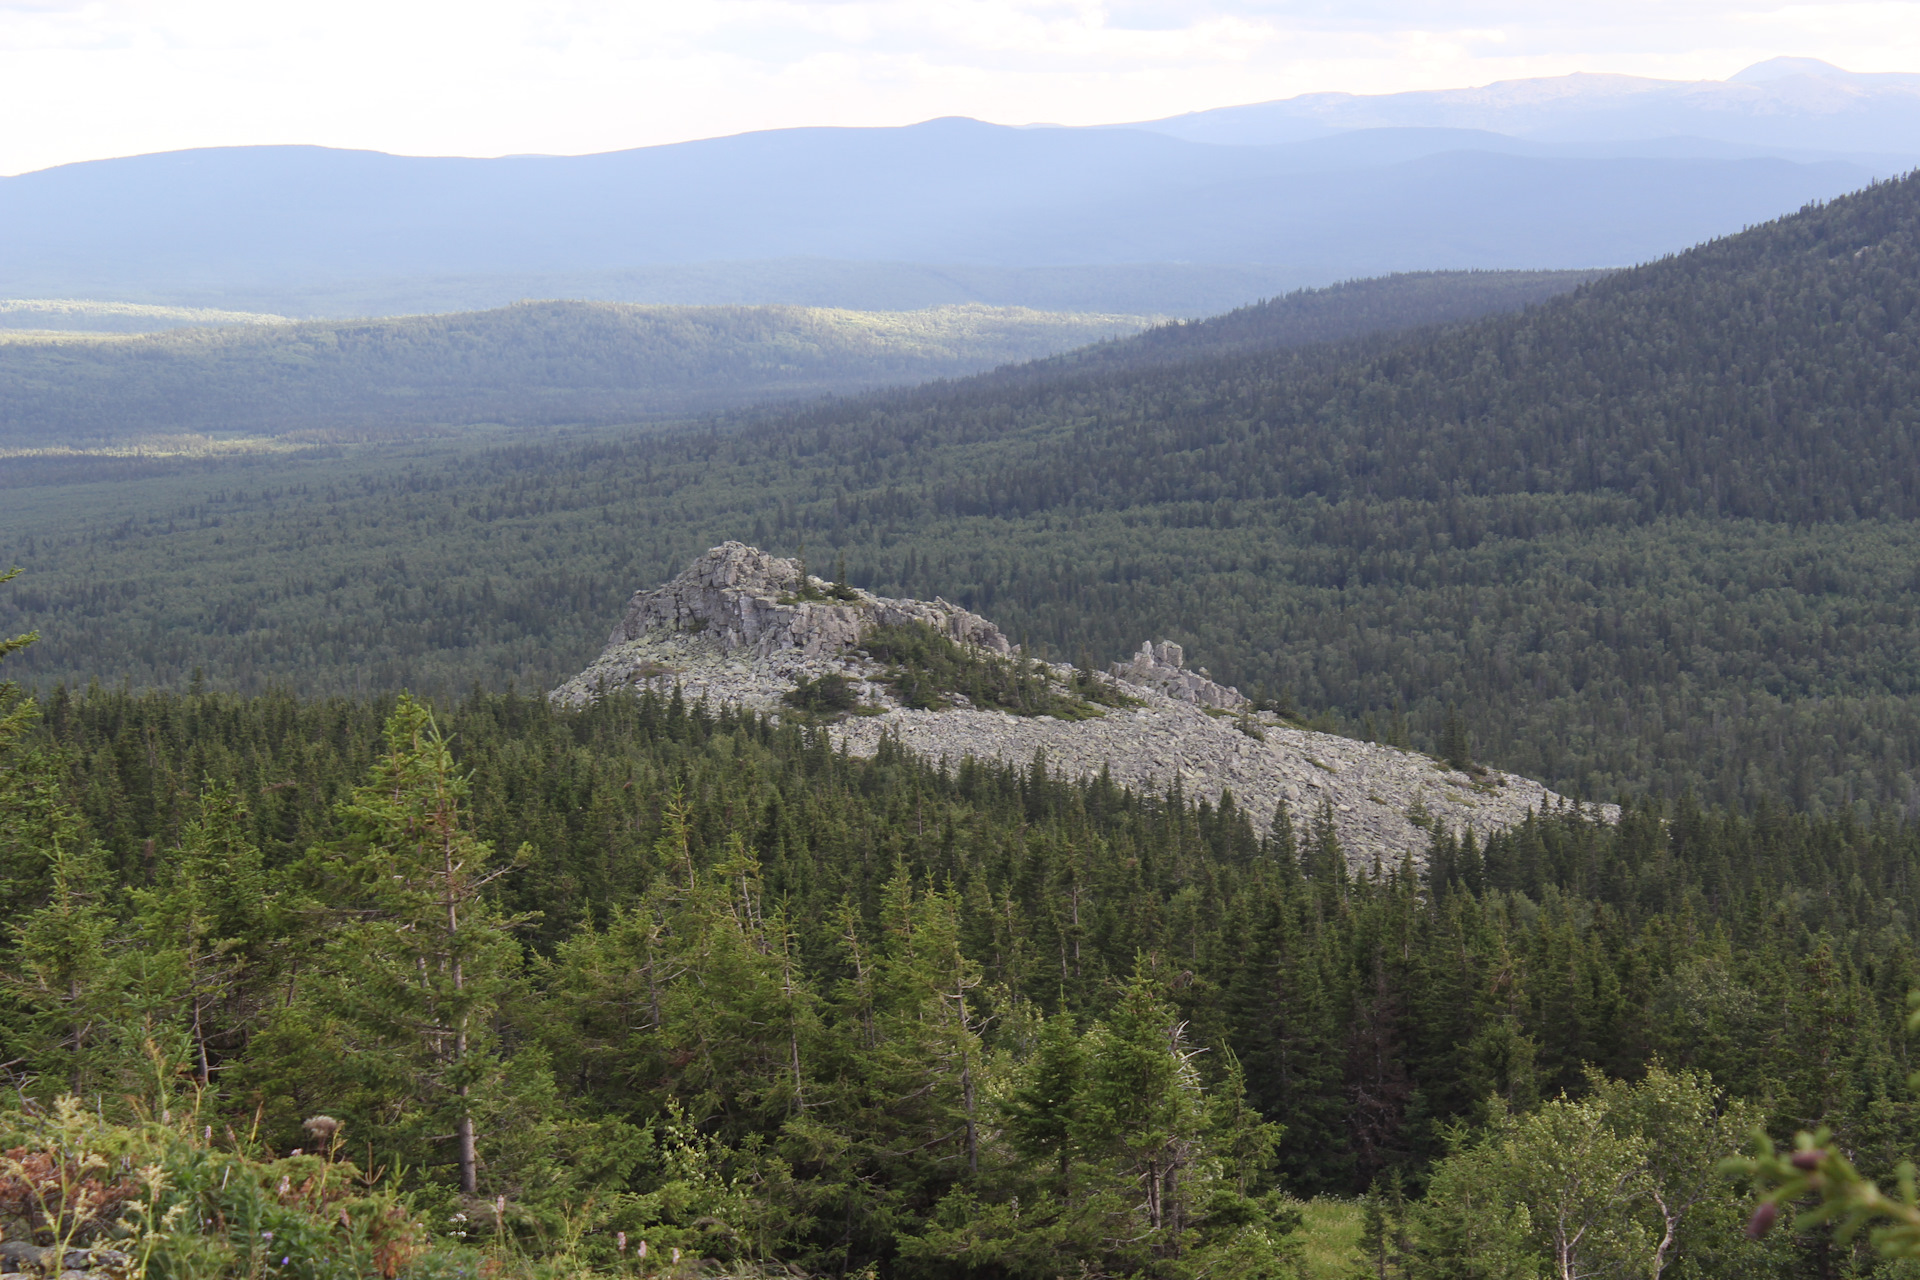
647	973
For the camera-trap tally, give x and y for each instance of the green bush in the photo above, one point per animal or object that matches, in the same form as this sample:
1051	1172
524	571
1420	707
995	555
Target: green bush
174	1204
926	670
830	694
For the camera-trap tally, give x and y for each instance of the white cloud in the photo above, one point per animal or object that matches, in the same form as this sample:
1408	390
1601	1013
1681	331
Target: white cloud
88	78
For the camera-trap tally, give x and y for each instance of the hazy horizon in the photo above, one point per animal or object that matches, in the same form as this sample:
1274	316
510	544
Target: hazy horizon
98	79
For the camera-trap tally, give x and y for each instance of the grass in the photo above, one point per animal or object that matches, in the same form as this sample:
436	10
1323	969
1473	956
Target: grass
1330	1232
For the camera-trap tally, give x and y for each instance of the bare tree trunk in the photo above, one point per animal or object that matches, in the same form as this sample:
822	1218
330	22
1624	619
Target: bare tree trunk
1669	1220
200	1041
469	1164
966	1074
463	1130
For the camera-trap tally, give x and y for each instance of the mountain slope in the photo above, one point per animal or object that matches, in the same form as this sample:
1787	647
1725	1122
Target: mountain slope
587	362
1658	534
1774	374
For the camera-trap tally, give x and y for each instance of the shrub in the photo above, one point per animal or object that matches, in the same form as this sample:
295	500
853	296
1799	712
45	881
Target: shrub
158	1198
830	694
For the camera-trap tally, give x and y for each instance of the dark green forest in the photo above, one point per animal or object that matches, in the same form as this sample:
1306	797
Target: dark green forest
721	988
1655	536
330	980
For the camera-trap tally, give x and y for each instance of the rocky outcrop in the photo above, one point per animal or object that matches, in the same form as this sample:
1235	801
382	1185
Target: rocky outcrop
749	600
735	629
1163	666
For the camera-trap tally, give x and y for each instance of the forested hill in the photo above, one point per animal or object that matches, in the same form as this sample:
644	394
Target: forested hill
1657	534
1356	308
609	362
1771	374
528	363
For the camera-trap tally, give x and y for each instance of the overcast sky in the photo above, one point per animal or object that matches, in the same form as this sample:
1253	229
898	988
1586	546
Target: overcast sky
82	79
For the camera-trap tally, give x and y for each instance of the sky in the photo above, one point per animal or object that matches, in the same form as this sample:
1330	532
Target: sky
87	79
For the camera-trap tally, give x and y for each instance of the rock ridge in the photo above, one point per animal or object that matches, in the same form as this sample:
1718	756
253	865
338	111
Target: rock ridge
753	601
741	627
1163	666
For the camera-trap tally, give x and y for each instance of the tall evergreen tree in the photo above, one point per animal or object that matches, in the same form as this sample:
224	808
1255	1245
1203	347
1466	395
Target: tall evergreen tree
418	961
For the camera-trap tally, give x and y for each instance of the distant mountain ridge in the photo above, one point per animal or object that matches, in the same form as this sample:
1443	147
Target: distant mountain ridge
1177	217
1783	103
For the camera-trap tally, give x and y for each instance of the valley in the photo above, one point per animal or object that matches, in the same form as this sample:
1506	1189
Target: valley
1321	688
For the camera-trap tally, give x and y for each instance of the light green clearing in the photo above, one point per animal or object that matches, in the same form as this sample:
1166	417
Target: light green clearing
1330	1233
53	318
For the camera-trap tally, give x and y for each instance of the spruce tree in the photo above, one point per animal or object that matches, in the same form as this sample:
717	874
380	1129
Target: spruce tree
208	923
1456	745
422	960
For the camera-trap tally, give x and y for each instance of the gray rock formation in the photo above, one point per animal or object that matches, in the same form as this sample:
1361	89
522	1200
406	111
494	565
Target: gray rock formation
1163	666
734	629
750	600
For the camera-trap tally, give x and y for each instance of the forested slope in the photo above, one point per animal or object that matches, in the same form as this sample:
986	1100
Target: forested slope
1770	374
737	994
551	362
527	363
1306	317
1655	534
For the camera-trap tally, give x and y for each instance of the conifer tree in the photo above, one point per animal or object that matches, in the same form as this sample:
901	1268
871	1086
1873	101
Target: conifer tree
422	961
1141	1104
58	967
1456	746
1042	1108
63	967
207	923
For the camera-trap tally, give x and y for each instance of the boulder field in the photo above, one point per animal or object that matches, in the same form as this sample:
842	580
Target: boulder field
745	628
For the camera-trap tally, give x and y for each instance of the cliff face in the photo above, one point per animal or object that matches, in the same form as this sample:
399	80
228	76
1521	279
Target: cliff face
740	627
